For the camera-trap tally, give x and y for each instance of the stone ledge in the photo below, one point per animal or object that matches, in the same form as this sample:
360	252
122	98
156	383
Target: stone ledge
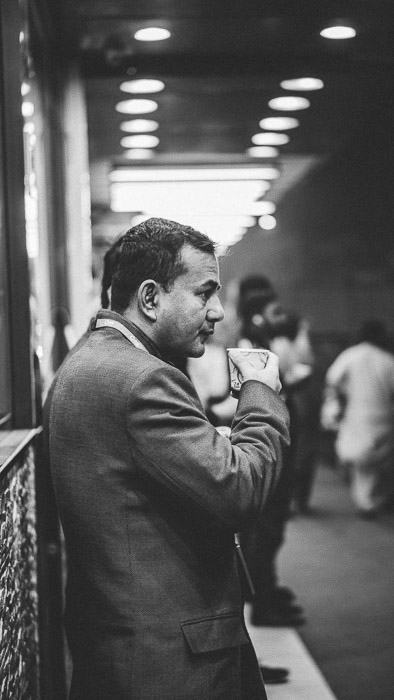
12	443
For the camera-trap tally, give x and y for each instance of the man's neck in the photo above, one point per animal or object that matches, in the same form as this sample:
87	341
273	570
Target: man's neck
139	322
139	328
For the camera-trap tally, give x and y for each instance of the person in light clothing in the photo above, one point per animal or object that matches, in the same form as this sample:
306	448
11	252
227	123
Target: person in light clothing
362	377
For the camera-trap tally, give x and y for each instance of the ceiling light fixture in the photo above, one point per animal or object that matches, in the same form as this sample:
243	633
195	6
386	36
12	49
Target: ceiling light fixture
28	128
152	34
142	86
338	32
289	103
137	126
246	221
193	174
139	141
279	123
267	222
27	109
197	198
262	208
270	139
263	152
303	84
139	154
224	211
136	106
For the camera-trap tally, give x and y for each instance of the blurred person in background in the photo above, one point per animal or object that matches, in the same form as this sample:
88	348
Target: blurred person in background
260	318
292	343
360	382
265	324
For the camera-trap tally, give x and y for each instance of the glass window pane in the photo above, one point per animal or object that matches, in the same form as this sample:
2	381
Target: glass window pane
5	386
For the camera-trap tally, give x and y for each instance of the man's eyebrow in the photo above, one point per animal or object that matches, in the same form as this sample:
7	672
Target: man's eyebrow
212	283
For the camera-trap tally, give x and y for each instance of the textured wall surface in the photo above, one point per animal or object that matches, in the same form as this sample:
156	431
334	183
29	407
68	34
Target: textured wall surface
18	583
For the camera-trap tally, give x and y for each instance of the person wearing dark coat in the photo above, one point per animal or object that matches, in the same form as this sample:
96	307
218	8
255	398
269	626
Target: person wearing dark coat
150	494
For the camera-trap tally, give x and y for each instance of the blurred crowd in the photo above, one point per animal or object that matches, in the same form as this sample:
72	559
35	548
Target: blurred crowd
347	403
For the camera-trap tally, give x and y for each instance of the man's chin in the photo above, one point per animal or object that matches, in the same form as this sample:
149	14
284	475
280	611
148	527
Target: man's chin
197	351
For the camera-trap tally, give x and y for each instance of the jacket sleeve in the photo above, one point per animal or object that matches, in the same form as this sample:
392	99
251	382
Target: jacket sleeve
171	439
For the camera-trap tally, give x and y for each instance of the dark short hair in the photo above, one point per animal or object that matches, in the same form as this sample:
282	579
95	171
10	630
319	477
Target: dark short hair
109	267
254	283
255	292
152	250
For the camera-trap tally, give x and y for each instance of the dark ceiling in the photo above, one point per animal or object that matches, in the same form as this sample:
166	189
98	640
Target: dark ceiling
224	61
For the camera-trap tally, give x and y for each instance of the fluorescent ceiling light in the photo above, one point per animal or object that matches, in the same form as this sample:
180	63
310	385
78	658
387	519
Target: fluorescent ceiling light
223	202
25	89
263	152
303	84
142	86
136	126
193	174
28	127
270	139
338	32
136	106
27	109
139	141
226	198
152	34
139	154
262	207
267	222
279	123
165	198
289	103
247	221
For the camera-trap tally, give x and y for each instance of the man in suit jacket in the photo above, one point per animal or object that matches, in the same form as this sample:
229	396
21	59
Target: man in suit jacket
149	493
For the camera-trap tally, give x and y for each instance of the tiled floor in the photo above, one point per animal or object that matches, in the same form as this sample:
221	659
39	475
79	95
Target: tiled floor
341	568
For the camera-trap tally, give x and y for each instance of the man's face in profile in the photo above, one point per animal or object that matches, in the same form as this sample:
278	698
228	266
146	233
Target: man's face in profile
188	312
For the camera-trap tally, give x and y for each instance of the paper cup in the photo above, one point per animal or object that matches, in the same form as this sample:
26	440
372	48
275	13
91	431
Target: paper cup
258	357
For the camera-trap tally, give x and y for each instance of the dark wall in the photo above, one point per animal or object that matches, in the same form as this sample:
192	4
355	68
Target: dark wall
331	255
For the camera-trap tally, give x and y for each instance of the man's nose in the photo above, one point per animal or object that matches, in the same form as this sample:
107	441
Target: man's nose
215	312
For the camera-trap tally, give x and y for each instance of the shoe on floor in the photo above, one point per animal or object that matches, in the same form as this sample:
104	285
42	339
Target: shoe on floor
274	674
284	593
282	604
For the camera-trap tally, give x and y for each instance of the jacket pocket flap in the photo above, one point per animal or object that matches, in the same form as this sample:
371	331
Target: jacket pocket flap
214	633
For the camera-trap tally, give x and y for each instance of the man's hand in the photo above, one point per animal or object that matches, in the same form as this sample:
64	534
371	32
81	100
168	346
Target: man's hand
251	366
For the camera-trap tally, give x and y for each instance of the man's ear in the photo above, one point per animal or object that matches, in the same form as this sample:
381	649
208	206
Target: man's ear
148	296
